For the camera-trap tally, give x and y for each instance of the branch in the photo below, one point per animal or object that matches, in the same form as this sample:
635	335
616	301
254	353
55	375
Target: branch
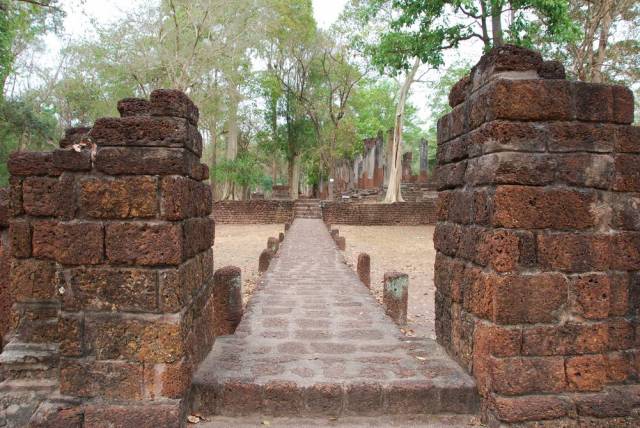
39	3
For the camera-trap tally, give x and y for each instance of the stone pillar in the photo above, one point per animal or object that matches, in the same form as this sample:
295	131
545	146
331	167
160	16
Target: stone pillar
265	260
227	298
281	236
407	158
364	269
335	233
112	263
424	161
395	296
287	226
538	242
341	242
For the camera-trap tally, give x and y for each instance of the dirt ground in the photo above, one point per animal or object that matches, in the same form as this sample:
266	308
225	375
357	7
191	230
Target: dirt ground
241	245
407	249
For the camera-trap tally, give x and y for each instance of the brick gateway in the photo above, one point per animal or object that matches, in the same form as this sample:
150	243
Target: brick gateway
537	271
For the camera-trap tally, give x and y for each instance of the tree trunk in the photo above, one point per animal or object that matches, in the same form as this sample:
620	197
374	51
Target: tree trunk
483	21
395	173
232	140
596	70
294	176
496	22
212	162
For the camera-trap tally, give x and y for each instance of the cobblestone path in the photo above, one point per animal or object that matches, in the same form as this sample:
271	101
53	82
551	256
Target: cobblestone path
314	341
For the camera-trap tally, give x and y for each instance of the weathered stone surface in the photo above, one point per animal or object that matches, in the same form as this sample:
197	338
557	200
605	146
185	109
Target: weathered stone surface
227	298
119	198
133	107
145	244
110	380
265	259
74	135
33	280
20	238
170	102
110	289
31	163
364	269
72	160
49	197
198	235
144	161
147	131
183	197
396	296
149	415
143	340
69	243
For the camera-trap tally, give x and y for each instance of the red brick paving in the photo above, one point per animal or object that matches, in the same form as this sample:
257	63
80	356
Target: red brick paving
314	341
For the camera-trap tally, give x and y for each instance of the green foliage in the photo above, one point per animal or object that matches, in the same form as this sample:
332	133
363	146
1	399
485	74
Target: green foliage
425	28
244	171
22	127
21	23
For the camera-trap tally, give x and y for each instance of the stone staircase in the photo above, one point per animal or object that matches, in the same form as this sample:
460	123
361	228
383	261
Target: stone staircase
411	192
307	208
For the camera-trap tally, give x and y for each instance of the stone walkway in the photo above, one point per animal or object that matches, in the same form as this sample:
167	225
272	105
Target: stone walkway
314	341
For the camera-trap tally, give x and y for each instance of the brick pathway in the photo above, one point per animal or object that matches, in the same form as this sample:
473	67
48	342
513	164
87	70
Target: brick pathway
314	341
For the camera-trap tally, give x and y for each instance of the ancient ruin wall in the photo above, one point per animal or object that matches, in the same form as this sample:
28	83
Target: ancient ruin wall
538	242
253	212
112	261
397	214
6	298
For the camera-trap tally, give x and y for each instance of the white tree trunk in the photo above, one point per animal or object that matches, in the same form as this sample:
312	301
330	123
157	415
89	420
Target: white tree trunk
395	171
232	142
294	177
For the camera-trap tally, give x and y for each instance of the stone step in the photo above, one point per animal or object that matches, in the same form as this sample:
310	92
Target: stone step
220	388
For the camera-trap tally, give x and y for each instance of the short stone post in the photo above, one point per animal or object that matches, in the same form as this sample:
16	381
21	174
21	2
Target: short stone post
287	226
364	269
335	233
227	300
281	237
396	296
341	243
265	259
273	244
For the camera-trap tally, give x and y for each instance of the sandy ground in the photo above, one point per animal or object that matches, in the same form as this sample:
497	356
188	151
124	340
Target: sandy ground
399	421
241	245
407	249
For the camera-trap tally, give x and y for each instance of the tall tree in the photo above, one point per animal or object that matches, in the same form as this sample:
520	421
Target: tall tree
419	31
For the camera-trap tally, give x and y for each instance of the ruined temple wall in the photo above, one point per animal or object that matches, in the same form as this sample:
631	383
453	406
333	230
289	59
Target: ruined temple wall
6	297
253	212
538	242
397	214
112	261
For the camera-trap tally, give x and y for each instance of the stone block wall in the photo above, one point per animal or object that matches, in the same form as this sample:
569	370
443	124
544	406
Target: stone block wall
112	261
538	243
253	212
402	213
6	298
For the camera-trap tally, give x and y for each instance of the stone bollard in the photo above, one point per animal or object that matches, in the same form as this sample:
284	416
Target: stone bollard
335	233
287	226
364	269
341	243
273	244
265	260
281	237
396	296
227	300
